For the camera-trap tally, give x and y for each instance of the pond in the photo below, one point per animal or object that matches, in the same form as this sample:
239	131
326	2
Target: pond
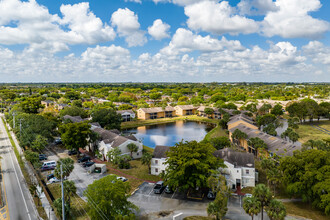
170	133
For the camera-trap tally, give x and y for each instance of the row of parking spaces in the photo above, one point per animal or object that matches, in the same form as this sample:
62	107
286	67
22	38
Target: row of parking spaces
147	189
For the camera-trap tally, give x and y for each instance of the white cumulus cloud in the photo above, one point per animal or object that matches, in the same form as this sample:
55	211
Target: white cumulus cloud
159	30
256	7
292	20
218	18
128	26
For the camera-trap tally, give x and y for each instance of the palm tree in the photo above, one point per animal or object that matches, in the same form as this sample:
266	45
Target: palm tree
69	191
276	210
146	159
263	195
257	143
237	135
132	148
251	206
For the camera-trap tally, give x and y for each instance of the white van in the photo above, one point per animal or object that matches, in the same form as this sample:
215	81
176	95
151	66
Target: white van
49	163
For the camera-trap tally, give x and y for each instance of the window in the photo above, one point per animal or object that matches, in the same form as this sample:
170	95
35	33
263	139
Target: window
137	154
156	170
156	161
247	171
237	171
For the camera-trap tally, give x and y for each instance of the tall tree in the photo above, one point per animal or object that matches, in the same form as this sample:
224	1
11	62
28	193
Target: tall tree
276	210
277	110
251	206
76	135
208	111
132	148
190	164
257	144
263	195
237	135
74	111
39	143
108	197
220	142
70	190
107	118
218	207
31	105
67	167
146	159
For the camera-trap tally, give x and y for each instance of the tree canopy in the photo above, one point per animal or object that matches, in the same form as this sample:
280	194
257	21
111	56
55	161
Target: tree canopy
107	118
190	164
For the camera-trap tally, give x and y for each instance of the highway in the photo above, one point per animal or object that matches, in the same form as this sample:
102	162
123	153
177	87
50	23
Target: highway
18	199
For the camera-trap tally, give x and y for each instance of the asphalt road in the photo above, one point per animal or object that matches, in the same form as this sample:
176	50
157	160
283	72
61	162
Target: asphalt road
19	200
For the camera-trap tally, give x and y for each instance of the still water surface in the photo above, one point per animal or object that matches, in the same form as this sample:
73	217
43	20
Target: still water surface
170	133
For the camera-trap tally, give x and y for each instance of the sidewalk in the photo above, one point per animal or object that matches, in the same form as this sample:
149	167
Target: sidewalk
44	201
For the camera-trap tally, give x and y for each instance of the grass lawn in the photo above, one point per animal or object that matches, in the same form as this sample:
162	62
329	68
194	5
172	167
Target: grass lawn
307	132
216	132
304	210
78	205
136	175
197	218
137	123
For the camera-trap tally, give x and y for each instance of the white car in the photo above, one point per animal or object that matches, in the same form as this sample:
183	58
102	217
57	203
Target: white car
53	180
248	195
121	178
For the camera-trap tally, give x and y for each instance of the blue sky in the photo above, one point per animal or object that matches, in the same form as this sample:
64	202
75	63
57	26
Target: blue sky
165	41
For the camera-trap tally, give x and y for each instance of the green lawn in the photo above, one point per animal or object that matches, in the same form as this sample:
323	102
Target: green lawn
137	123
215	132
304	210
136	175
307	132
78	205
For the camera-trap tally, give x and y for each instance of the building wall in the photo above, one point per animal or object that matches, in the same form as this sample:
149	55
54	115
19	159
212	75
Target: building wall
158	165
234	173
124	150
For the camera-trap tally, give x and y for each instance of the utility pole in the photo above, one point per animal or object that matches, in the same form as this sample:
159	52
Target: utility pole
63	212
20	127
14	120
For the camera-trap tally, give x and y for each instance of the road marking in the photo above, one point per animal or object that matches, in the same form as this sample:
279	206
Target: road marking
4	191
19	184
151	191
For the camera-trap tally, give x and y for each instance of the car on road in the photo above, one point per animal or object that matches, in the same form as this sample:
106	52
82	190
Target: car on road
42	157
58	141
44	168
50	176
159	187
72	152
168	190
84	159
54	180
122	178
211	194
88	163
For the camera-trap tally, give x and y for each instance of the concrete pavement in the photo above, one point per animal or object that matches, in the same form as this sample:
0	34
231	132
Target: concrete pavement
19	201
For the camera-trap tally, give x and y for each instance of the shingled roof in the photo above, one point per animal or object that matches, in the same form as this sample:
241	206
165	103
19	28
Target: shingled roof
160	151
186	107
275	144
239	159
242	117
202	109
112	138
158	109
74	119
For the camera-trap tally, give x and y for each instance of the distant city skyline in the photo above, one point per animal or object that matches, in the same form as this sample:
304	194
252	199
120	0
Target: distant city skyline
165	41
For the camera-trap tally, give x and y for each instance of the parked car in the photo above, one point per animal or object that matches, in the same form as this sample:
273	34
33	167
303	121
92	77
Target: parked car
72	152
122	178
50	176
54	180
42	157
58	141
49	163
88	164
159	187
84	159
248	195
168	190
211	194
44	168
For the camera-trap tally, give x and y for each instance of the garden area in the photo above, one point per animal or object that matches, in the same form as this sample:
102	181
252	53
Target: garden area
306	131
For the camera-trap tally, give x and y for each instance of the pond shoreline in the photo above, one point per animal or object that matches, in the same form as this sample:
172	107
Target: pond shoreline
139	123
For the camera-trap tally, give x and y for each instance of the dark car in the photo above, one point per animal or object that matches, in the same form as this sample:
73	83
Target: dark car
72	152
211	195
58	141
42	157
50	176
44	168
159	187
88	164
84	159
168	190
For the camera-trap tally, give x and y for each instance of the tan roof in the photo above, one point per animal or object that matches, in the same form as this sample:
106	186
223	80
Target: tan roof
109	137
202	109
186	107
242	117
157	109
275	144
